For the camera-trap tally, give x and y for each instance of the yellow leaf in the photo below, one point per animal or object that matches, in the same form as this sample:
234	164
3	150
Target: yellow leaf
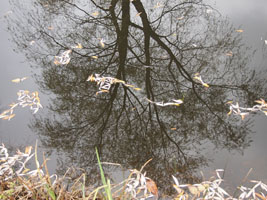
127	85
95	13
79	46
179	190
102	91
28	149
239	31
119	81
9	117
138	14
205	84
95	57
17	80
193	190
137	88
201	188
198	78
152	187
5	112
102	43
91	78
56	62
25	170
260	196
230	53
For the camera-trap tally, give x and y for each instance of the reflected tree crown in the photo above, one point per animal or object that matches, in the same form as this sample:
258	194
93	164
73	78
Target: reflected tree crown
156	53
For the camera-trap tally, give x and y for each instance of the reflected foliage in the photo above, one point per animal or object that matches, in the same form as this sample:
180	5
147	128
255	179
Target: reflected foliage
158	48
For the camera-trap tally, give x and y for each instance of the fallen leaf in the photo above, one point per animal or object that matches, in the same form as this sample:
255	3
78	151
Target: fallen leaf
152	187
28	149
102	42
260	196
201	188
17	80
91	78
173	129
208	11
158	5
95	57
239	31
230	53
138	14
193	190
79	46
95	13
205	85
9	117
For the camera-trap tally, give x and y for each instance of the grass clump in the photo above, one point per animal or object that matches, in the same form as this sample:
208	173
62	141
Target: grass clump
19	182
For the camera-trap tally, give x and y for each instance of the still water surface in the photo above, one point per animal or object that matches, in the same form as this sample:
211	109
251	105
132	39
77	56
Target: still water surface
221	41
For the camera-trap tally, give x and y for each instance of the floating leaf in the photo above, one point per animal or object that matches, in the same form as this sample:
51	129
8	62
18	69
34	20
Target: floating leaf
230	53
9	117
205	85
193	190
95	13
158	5
138	14
78	46
91	78
208	11
198	77
28	150
64	59
102	42
201	188
17	80
32	42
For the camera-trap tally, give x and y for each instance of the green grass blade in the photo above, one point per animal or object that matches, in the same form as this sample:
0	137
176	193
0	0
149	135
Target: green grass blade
104	182
51	193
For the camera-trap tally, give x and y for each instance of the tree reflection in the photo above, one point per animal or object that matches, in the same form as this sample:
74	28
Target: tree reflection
158	48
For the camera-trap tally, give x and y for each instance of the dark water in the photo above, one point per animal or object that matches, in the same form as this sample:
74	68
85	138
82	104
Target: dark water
223	42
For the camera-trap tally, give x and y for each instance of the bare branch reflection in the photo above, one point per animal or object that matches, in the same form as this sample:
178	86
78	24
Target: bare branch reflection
158	48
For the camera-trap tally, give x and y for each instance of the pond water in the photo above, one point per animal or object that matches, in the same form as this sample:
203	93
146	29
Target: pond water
173	67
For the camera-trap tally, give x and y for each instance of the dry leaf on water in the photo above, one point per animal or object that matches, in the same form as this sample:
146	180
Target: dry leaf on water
95	13
138	14
152	187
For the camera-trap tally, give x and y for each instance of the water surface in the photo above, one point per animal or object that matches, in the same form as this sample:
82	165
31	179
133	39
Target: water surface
154	51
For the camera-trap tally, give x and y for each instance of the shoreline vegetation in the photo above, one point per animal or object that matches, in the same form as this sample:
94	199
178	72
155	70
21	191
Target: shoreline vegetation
19	182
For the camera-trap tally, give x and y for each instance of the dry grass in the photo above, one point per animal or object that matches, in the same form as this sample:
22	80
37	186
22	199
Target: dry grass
19	182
